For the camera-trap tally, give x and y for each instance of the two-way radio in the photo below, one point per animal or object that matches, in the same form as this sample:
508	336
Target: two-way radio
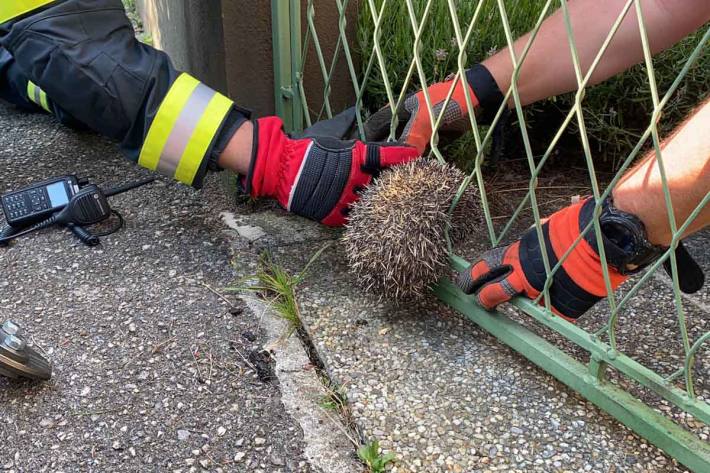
67	201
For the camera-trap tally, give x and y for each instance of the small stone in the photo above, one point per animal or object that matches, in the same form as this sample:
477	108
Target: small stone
189	461
239	456
205	463
221	431
250	233
259	441
183	435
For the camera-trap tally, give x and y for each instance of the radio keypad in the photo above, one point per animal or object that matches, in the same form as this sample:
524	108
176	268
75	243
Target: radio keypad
25	203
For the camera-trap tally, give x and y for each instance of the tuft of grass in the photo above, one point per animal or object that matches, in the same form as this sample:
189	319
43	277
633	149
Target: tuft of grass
335	399
278	287
375	461
616	111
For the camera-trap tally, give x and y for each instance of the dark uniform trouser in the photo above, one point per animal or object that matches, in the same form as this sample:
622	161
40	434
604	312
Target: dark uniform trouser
17	89
79	60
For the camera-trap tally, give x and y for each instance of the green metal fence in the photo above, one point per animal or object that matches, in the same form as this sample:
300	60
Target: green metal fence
293	42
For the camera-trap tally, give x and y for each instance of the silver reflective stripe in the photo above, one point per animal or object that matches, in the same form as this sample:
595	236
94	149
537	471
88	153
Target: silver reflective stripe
184	128
38	96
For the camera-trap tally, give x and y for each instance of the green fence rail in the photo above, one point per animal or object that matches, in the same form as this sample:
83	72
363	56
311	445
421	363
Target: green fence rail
292	44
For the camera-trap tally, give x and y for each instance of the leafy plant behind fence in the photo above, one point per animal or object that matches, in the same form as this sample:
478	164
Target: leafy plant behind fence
616	111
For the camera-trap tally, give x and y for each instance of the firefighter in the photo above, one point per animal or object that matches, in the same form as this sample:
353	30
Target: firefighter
634	219
80	61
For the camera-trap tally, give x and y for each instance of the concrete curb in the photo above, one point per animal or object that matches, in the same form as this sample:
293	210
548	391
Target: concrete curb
328	448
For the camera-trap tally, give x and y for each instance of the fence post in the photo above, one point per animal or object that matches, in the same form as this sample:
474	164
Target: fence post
286	27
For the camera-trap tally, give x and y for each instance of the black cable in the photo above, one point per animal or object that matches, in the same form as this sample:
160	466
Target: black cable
40	226
115	228
83	235
6	232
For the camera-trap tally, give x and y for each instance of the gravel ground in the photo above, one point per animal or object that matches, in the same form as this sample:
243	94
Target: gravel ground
443	395
149	369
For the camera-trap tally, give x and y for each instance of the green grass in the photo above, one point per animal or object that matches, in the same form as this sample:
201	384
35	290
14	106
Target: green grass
375	461
278	288
616	112
132	14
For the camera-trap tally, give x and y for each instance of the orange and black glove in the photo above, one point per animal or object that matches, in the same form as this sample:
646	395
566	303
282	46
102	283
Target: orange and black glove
518	269
317	178
414	120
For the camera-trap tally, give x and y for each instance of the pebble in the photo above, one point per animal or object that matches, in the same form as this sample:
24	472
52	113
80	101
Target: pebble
183	435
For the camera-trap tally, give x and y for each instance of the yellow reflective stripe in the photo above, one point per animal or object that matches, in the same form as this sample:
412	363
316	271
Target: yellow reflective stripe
37	96
200	140
164	121
187	121
10	9
43	101
31	89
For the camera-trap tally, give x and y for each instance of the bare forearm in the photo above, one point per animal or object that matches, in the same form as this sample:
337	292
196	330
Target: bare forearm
237	155
686	160
548	69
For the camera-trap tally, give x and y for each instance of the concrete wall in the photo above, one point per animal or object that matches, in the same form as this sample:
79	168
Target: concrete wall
228	44
247	44
190	31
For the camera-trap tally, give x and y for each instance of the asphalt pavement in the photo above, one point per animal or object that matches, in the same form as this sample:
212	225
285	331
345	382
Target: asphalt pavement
152	369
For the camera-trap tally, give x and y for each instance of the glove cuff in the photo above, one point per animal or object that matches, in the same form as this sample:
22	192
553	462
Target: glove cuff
276	161
267	154
486	91
579	282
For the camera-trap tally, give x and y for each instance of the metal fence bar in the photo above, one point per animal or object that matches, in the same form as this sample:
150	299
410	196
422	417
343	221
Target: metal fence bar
286	34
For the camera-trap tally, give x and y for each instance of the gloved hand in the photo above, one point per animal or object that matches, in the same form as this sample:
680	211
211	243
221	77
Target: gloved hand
505	272
414	116
317	178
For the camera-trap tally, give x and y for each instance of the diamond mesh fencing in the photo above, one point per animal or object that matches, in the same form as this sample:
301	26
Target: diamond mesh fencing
295	40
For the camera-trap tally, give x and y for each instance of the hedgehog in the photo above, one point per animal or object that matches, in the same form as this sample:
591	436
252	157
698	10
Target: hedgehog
395	239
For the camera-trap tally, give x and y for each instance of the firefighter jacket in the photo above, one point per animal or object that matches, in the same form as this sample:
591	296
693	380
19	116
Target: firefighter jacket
80	60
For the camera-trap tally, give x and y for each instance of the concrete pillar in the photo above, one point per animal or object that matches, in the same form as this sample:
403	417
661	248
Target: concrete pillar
190	31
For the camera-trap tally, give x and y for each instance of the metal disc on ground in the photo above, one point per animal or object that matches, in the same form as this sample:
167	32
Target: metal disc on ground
17	360
395	239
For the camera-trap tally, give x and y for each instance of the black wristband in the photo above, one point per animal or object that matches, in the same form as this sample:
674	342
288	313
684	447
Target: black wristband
487	92
235	119
626	246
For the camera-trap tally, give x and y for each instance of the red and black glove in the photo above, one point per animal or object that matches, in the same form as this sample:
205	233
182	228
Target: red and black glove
518	269
317	178
414	120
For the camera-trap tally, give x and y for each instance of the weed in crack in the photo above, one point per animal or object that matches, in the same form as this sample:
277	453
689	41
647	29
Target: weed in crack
372	457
